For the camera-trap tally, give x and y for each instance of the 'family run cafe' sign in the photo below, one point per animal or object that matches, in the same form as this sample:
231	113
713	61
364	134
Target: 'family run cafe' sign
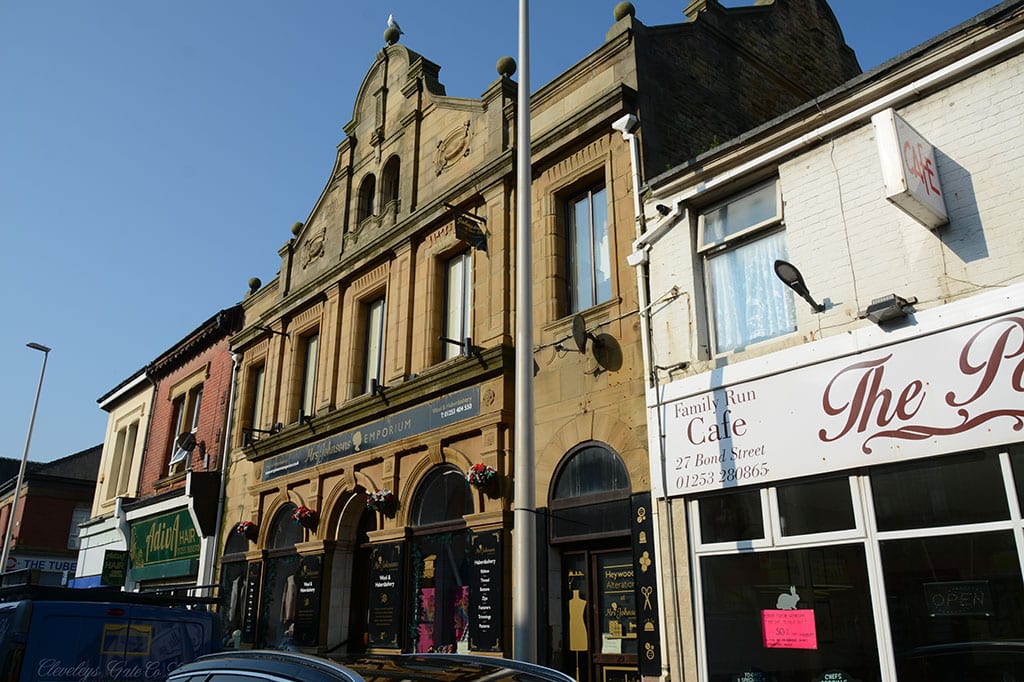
937	389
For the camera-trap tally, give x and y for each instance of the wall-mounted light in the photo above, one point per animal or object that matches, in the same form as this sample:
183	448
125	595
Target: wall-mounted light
792	278
466	345
887	308
304	418
377	388
663	209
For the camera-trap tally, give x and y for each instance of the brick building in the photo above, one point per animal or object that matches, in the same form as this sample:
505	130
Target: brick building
376	369
53	501
835	406
160	476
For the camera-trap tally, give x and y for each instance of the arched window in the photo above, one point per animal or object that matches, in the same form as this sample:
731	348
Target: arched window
443	495
280	585
440	561
366	206
232	586
590	494
389	181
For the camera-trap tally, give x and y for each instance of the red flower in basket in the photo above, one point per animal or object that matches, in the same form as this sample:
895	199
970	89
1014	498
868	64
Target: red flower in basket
305	516
247	528
481	475
382	500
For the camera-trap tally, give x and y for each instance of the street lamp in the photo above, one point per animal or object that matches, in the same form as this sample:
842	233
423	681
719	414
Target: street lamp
24	459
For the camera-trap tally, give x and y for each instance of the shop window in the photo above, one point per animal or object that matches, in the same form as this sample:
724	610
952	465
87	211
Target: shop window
819	506
589	251
280	583
232	589
939	492
373	359
590	495
953	600
1017	463
440	562
458	304
734	516
740	240
789	616
366	206
310	354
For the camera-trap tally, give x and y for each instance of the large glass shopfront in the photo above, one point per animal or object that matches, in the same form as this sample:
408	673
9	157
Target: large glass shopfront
903	572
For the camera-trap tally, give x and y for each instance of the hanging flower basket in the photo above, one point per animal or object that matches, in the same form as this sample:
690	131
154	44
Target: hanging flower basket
249	529
482	476
304	516
381	501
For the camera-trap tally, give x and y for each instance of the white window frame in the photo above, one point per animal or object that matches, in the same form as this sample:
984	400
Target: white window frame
373	356
574	303
457	317
750	234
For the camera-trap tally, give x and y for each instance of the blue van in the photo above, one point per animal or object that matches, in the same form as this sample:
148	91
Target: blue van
65	635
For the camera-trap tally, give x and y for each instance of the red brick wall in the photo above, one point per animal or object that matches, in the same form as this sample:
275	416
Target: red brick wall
211	426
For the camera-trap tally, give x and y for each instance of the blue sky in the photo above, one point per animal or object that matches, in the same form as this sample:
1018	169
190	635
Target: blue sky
154	154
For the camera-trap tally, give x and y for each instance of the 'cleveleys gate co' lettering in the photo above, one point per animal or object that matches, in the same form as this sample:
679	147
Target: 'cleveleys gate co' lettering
878	411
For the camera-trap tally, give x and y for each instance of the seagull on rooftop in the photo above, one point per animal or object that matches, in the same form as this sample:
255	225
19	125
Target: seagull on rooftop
394	24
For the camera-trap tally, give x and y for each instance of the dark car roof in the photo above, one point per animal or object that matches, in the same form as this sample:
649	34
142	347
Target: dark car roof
371	668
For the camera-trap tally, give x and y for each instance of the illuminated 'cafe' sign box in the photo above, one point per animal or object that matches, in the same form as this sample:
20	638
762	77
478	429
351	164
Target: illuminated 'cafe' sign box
909	170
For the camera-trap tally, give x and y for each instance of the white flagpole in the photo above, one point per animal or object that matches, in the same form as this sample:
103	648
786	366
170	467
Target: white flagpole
524	575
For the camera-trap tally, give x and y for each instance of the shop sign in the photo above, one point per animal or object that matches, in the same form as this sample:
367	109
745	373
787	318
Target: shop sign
789	629
645	585
909	170
954	390
959	598
307	609
253	586
386	579
168	537
115	567
450	409
485	591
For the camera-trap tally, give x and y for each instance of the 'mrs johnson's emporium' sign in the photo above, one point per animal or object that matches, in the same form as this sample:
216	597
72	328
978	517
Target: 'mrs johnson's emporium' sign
954	390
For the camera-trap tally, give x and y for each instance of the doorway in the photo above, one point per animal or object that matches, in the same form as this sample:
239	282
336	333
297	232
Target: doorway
599	615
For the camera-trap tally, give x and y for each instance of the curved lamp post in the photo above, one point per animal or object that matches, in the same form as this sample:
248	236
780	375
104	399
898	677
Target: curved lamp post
24	460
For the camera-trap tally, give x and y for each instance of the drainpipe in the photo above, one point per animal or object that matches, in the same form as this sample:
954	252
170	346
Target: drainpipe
628	125
206	573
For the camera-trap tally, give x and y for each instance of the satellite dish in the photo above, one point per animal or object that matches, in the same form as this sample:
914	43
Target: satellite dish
579	333
186	441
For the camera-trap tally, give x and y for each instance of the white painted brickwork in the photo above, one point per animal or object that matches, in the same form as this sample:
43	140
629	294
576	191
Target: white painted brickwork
852	245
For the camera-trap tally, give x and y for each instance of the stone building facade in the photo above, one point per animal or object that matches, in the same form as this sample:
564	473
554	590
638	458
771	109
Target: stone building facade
376	369
835	406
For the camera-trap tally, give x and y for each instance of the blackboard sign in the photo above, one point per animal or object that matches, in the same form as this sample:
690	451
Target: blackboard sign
252	602
115	567
307	610
485	591
646	586
387	576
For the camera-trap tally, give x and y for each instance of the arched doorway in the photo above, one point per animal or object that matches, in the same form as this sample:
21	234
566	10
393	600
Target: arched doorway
589	503
280	590
440	564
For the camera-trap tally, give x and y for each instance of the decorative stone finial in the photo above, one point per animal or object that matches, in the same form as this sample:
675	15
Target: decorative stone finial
391	35
296	228
506	66
623	10
254	284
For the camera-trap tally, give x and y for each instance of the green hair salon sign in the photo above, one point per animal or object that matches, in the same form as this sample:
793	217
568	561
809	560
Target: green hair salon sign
164	538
